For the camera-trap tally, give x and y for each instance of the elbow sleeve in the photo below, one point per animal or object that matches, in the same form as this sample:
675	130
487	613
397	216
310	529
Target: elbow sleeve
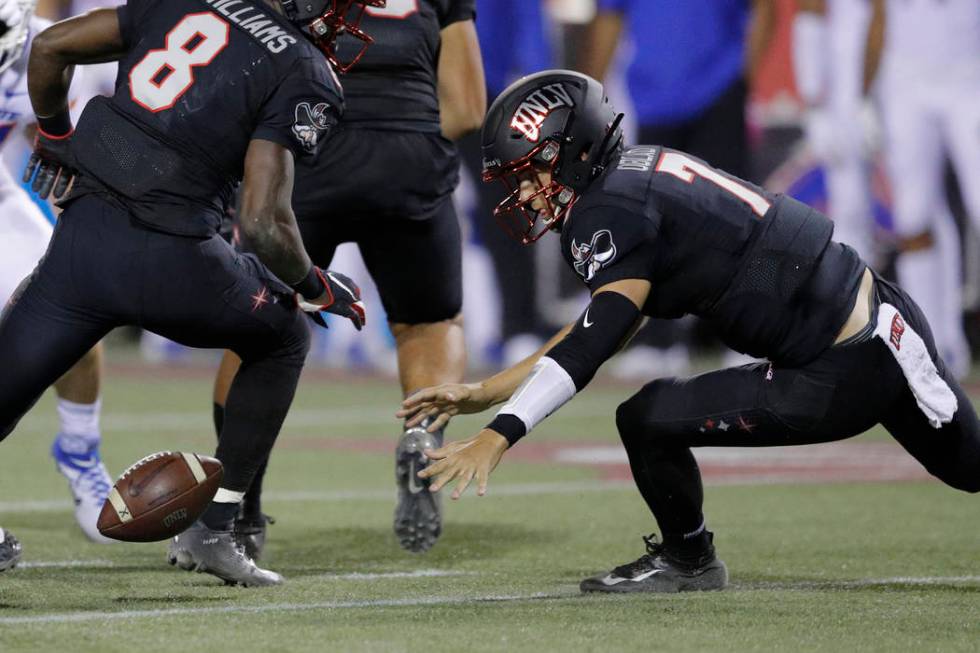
596	336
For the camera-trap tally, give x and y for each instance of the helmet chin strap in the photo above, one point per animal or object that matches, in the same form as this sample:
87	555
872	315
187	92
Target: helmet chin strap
289	8
598	168
567	193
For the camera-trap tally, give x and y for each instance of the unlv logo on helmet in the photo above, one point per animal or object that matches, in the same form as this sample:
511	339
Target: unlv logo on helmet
536	108
591	257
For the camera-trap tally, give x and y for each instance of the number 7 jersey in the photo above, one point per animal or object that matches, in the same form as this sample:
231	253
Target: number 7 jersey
200	80
761	267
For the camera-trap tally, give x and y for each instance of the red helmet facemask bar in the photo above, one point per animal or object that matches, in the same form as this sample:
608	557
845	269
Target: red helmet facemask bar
342	18
514	213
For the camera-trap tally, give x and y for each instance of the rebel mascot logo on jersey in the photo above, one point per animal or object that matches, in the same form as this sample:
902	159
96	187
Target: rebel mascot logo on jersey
594	255
312	123
536	108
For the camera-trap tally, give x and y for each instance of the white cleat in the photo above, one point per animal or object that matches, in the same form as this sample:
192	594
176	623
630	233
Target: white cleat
88	480
217	553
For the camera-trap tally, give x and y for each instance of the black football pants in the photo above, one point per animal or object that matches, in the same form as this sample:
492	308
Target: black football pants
102	270
847	390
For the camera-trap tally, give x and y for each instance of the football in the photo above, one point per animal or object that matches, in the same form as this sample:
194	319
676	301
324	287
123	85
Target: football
159	496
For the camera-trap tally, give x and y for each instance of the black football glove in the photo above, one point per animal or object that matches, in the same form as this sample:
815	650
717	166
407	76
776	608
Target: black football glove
344	299
52	165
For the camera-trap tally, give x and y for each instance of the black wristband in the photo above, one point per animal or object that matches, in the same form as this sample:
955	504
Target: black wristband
509	426
56	126
310	286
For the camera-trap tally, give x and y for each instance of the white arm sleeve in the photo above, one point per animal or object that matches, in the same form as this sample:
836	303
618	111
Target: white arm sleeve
546	389
810	54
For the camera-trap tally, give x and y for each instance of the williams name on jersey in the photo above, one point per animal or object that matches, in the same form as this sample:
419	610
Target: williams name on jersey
200	80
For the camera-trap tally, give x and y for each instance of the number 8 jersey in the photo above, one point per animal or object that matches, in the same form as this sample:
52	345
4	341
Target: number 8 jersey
200	80
762	268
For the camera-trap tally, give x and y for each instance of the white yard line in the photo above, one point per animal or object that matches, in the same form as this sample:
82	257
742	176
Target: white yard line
335	496
66	564
417	573
355	575
325	418
831	584
81	617
77	617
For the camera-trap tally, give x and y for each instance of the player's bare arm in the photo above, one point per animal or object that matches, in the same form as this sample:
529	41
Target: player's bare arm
442	402
462	89
269	226
92	38
88	39
564	370
267	219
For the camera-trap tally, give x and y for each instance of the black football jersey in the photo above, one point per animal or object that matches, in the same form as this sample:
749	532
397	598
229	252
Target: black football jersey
761	267
394	85
199	81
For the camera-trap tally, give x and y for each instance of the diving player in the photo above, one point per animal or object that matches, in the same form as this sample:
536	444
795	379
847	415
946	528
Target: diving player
386	183
654	232
24	235
210	93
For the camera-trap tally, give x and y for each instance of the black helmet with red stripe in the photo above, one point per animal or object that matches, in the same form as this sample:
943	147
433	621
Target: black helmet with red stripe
324	21
556	121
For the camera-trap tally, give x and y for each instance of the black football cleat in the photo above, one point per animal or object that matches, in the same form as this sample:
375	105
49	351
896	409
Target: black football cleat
217	553
418	522
657	571
250	534
10	550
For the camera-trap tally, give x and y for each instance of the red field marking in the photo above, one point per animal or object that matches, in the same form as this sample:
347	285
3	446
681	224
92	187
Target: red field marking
835	462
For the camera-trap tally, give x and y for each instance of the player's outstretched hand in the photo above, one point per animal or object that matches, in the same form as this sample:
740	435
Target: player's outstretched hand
475	458
342	297
51	166
442	402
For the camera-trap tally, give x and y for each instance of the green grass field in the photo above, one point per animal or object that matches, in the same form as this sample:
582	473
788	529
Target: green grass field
845	566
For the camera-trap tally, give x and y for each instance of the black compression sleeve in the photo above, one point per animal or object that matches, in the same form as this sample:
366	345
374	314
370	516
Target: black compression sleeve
595	337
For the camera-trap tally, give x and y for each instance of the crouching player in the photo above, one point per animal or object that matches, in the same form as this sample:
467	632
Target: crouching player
654	232
207	96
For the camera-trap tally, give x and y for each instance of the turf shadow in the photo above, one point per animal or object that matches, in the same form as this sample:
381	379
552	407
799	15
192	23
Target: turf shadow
329	550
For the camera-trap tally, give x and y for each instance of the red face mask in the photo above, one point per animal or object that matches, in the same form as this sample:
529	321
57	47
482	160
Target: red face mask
514	214
342	18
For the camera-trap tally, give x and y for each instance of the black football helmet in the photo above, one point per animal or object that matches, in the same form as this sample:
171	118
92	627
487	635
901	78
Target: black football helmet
556	121
324	21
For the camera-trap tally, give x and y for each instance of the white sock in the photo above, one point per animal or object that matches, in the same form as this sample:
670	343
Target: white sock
228	496
80	421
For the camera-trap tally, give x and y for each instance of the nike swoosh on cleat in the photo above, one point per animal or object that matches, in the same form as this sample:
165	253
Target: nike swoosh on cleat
89	462
413	484
616	580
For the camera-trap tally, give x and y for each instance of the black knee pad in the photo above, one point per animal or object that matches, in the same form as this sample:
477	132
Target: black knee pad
637	418
632	420
292	347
